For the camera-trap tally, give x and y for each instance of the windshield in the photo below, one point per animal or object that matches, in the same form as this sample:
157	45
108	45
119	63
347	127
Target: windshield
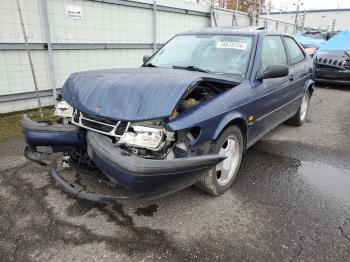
207	53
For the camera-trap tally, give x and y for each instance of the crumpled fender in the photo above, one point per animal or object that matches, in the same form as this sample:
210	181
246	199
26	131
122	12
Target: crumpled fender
309	83
213	115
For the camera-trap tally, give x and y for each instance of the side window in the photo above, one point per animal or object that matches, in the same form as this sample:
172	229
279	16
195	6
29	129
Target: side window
296	55
273	52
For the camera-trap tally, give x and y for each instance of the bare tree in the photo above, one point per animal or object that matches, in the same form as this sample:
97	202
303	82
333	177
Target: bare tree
244	5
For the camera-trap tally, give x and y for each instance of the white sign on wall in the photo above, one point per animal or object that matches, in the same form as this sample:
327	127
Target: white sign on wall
74	11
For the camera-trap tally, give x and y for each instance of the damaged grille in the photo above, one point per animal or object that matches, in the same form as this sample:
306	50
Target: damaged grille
120	129
99	124
324	62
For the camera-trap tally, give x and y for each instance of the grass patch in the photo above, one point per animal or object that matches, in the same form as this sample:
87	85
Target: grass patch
10	126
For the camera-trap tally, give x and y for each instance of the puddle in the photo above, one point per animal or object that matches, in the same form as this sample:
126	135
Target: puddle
327	179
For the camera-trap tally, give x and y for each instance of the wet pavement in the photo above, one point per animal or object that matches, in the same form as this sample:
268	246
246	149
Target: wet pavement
291	202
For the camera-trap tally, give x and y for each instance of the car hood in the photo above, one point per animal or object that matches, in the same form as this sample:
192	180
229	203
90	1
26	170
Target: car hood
132	94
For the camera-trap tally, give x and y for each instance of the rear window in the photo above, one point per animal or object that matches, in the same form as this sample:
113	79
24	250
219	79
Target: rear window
296	55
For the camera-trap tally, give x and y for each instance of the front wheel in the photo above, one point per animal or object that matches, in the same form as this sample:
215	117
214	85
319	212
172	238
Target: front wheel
300	116
219	179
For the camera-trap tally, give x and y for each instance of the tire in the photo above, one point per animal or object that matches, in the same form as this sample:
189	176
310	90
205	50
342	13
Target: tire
300	116
219	179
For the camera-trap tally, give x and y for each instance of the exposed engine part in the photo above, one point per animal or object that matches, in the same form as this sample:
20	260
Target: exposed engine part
201	92
346	57
65	161
189	102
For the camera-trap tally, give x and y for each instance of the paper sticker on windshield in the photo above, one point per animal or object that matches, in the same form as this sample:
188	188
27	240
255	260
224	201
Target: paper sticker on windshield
235	45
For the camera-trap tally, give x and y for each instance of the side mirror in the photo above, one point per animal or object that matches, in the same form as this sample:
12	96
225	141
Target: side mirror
145	58
274	71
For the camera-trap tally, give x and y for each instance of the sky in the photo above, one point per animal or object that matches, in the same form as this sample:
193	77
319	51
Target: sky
310	4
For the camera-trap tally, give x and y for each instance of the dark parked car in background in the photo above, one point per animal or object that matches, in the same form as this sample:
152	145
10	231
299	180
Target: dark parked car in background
186	116
332	60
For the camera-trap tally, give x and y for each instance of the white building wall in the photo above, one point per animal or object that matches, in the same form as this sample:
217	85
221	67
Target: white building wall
322	19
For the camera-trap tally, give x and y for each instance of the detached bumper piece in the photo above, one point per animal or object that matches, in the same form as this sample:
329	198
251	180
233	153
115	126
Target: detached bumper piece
71	188
57	136
148	177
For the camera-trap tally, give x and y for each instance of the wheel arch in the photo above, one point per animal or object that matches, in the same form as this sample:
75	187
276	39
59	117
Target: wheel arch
309	86
233	120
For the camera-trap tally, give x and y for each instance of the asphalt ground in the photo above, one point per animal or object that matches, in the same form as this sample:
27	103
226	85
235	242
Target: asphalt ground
290	202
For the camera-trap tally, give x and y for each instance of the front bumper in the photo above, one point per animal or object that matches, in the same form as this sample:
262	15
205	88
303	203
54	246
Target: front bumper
147	176
59	137
324	75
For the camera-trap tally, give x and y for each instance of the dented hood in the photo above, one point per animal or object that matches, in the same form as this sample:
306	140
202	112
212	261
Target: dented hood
131	94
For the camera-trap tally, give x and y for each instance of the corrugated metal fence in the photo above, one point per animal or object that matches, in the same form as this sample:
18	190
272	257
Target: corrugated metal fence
90	34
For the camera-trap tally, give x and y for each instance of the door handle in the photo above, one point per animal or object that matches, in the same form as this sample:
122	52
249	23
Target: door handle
291	77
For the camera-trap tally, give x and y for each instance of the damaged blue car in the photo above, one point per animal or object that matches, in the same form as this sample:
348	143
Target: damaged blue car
186	116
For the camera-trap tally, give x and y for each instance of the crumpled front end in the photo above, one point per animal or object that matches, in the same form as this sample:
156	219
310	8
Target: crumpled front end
139	159
333	67
144	156
120	124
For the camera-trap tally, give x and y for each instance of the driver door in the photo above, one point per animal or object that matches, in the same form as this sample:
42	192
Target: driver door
271	95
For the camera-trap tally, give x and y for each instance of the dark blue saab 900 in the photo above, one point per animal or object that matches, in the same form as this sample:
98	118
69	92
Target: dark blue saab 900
186	116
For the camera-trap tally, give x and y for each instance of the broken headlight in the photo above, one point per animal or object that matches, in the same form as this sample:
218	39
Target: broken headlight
148	134
63	110
142	136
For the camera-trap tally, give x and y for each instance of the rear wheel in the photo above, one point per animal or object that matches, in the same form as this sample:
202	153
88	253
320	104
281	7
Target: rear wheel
300	116
217	180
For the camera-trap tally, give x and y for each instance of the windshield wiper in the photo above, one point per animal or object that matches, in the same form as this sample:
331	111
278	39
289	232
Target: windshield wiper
149	65
191	68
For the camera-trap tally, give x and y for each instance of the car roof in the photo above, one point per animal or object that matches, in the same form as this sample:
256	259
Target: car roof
230	31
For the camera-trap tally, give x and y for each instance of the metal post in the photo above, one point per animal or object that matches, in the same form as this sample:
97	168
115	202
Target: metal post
258	13
333	24
29	57
212	13
303	24
296	19
296	16
154	26
49	50
235	15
